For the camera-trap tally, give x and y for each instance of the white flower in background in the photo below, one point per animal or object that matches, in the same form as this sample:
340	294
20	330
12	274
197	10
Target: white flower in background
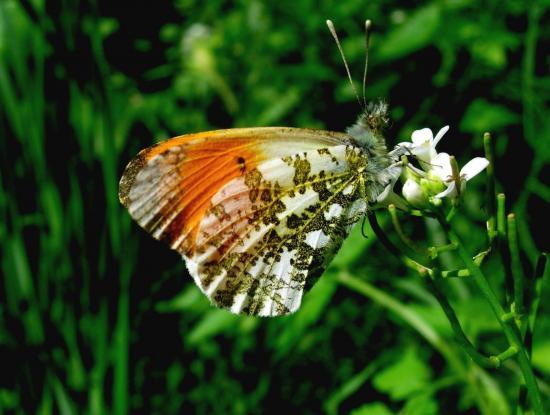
435	179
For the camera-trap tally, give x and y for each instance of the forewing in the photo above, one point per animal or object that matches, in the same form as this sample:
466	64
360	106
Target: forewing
269	234
257	213
168	187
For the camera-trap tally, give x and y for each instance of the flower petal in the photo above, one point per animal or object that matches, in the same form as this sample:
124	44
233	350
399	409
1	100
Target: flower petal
412	192
473	167
440	135
450	190
419	137
441	166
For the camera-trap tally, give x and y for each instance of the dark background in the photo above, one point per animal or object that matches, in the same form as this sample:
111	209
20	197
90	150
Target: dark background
97	317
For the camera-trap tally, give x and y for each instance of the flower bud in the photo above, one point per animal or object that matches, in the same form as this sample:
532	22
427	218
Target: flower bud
414	194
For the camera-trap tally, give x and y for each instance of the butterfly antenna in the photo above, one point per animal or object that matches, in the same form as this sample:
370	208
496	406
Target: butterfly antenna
368	25
335	36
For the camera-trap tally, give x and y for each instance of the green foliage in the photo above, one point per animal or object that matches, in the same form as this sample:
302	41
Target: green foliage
372	409
403	377
96	317
484	116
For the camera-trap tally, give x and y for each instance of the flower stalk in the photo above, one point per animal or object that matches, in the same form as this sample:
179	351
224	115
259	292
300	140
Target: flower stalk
460	336
538	275
517	272
501	215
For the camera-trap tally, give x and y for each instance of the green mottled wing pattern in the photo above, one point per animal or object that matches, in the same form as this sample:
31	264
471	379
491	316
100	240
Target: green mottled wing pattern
269	234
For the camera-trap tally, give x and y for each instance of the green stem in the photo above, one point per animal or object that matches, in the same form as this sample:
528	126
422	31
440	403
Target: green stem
415	259
502	246
501	215
528	84
505	355
489	155
537	289
534	301
451	213
456	273
509	331
468	347
381	235
434	251
515	262
528	73
404	238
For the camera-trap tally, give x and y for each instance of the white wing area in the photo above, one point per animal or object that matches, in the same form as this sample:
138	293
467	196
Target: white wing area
269	234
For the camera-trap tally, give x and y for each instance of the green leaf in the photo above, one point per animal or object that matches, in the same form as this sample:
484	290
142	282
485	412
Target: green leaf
348	388
415	33
542	151
541	356
188	299
420	405
213	323
490	52
483	116
376	408
294	327
468	314
107	26
407	375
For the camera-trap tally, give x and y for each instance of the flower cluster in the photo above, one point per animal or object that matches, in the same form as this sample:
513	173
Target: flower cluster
437	176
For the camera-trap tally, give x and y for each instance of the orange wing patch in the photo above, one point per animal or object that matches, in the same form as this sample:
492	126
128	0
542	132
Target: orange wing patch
206	170
168	187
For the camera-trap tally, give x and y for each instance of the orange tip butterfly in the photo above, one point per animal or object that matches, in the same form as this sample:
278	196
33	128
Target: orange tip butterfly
258	213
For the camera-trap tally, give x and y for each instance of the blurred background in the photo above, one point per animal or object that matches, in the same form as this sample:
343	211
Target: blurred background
97	317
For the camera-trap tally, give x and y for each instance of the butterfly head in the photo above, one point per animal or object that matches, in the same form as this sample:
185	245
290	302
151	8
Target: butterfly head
368	129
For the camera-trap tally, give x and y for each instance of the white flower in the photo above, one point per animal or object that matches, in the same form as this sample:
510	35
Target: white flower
412	192
423	144
435	179
442	168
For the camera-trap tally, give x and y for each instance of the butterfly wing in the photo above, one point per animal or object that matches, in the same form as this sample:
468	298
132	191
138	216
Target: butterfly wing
256	213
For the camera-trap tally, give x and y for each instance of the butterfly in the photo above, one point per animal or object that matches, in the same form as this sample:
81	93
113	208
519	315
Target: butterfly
258	213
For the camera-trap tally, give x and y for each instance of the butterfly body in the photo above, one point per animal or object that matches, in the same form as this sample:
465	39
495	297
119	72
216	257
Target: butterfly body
258	213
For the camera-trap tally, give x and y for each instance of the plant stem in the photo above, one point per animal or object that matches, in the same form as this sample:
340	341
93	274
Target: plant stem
457	273
501	215
468	347
509	330
503	247
515	263
489	155
404	238
528	85
398	251
537	289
